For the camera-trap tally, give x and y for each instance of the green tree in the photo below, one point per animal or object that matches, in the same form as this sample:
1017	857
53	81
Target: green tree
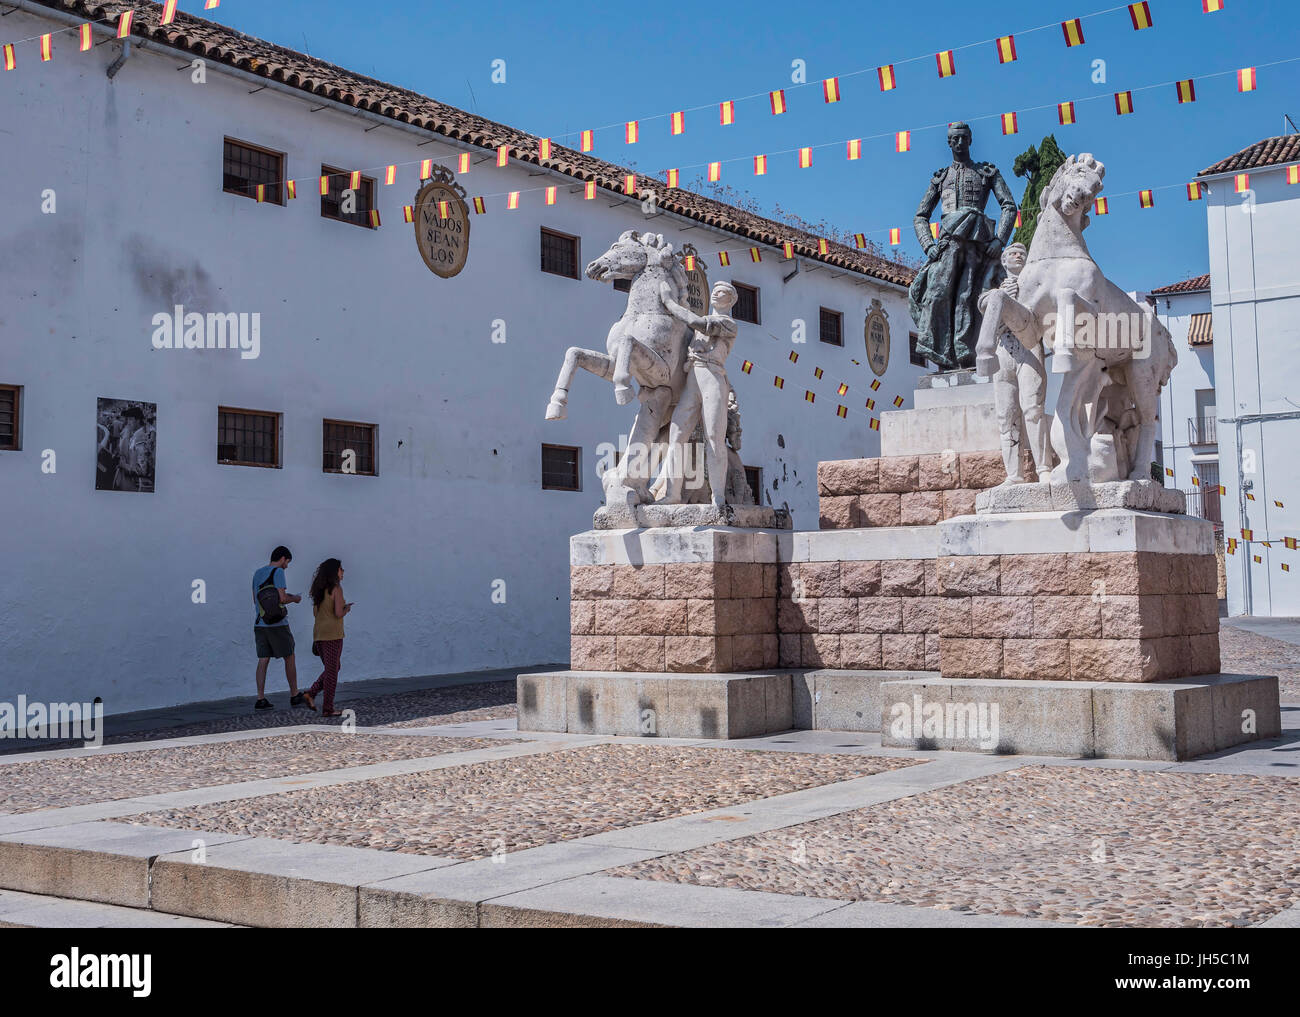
1039	166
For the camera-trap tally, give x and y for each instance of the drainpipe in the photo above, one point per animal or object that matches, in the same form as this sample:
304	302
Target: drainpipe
122	58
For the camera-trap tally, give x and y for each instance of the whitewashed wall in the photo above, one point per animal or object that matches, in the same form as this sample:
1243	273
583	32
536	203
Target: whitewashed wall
96	592
1194	370
1255	290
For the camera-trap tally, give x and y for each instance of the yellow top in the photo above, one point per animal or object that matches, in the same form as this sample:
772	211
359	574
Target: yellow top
327	627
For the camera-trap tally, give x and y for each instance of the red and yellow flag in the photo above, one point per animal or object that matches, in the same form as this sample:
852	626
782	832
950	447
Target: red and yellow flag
841	411
631	131
444	209
809	396
543	148
724	259
1194	192
47	47
1147	199
1141	15
805	157
755	254
408	213
87	40
1073	31
875	384
390	175
875	424
354	180
672	178
588	141
1018	219
871	404
589	190
168	13
947	65
1102	206
1006	49
374	219
746	366
903	141
211	5
261	193
842	390
895	235
690	263
550	195
124	24
727	113
831	89
1210	6
855	148
1242	182
1186	90
1065	113
426	169
462	164
887	80
859	240
324	185
760	165
291	186
503	155
787	249
1246	80
1293	174
778	381
777	99
1290	542
480	206
629	183
934	230
898	400
1123	103
823	246
679	122
715	171
1010	125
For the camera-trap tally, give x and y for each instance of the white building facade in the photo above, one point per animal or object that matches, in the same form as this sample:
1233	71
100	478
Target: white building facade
131	196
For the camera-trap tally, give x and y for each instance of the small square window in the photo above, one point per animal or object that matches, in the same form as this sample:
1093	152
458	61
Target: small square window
832	327
331	204
754	477
10	418
917	359
349	447
246	166
560	254
560	468
746	308
248	437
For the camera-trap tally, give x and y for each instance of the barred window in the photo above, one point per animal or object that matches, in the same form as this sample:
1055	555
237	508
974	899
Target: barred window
560	468
349	447
245	166
832	327
331	204
10	438
560	254
248	437
746	308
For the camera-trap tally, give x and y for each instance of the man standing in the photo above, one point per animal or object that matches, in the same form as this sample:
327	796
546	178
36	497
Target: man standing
271	627
964	259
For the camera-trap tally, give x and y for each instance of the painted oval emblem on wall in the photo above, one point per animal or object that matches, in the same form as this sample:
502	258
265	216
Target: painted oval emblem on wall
697	282
443	241
875	331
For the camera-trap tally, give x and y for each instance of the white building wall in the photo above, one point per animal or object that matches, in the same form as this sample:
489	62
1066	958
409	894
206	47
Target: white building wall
96	591
1255	290
1194	371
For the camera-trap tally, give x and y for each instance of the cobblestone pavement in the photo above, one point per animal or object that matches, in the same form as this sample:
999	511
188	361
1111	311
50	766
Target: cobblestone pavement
1244	652
475	810
80	780
1179	849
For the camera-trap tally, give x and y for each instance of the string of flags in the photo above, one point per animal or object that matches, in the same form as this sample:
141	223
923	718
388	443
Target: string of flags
842	389
125	22
1248	533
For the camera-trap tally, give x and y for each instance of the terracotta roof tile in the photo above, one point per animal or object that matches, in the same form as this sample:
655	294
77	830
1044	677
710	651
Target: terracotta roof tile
1201	282
1269	152
297	70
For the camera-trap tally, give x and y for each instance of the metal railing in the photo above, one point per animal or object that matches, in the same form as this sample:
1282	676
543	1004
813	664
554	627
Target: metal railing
1201	431
1204	505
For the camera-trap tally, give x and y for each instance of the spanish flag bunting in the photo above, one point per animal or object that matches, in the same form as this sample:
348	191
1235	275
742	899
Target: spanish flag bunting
1258	559
1266	543
934	230
550	195
543	148
755	254
1293	174
903	141
831	89
480	206
1186	91
390	176
760	165
747	366
354	180
408	213
1102	206
1018	219
292	187
426	169
817	373
679	122
1232	545
1242	182
1147	199
444	209
947	66
503	155
1278	503
875	384
1210	6
1290	542
124	24
855	148
1285	567
324	185
1073	30
47	47
587	142
842	390
778	381
1123	103
168	13
374	219
86	39
724	259
1010	124
823	248
794	357
887	80
860	240
895	237
805	157
631	131
727	113
672	178
1196	481
715	171
211	5
875	424
462	164
261	193
787	249
1194	192
1247	535
1141	15
589	190
629	183
777	99
871	404
1222	490
1006	49
841	411
898	400
1246	80
1065	113
1168	472
809	396
1249	496
690	263
512	201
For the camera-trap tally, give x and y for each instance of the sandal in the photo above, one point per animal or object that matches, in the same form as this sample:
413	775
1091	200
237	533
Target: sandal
333	713
303	699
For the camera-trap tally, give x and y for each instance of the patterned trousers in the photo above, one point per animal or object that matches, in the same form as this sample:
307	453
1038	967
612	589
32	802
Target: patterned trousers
331	652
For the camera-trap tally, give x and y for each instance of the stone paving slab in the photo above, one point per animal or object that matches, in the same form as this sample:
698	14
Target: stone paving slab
33	911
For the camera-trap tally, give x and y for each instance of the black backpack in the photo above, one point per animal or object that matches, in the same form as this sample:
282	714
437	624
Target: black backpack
269	608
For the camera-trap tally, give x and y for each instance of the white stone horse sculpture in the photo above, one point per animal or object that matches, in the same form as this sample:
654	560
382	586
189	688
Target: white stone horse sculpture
647	344
1099	337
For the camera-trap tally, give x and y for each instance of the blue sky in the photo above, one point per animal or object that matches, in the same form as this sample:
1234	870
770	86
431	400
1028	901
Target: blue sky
577	65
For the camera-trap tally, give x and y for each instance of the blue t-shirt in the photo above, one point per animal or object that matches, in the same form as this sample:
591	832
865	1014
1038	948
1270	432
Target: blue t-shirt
259	577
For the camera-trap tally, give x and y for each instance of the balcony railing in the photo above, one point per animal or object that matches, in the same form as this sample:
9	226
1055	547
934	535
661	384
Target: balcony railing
1201	431
1204	505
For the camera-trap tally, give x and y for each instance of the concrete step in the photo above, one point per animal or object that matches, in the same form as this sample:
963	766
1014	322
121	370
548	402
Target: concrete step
37	911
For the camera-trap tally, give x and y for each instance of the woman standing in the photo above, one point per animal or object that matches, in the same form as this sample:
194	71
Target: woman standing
329	609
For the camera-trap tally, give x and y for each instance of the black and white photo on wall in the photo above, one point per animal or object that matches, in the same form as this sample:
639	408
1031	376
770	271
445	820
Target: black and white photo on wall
126	444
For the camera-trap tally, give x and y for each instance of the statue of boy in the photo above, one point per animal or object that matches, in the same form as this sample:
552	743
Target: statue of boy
704	397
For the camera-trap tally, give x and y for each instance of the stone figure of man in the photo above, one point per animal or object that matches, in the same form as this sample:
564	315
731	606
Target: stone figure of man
1020	386
963	260
704	397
